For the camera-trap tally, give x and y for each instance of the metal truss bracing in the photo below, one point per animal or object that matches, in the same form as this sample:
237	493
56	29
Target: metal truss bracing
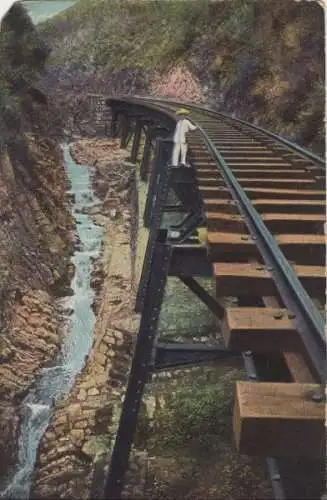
175	355
152	133
179	252
136	141
162	258
204	296
159	195
159	179
140	369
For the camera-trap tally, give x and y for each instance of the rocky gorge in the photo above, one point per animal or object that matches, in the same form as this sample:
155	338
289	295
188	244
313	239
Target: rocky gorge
48	262
45	265
81	421
37	238
78	438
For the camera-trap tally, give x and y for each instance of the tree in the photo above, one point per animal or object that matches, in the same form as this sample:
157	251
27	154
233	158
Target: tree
23	56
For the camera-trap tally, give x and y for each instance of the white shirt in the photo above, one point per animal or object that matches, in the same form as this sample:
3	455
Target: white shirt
182	127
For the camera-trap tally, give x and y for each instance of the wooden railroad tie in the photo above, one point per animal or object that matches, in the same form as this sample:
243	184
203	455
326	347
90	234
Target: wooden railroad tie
279	419
305	249
240	278
260	329
287	190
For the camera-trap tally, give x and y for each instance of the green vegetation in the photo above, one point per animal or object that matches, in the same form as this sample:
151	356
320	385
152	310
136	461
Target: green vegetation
154	34
22	61
263	60
202	401
190	440
147	34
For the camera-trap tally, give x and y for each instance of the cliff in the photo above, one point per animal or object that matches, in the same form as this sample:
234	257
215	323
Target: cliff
36	228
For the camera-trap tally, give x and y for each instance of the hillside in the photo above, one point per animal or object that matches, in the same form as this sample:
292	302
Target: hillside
262	61
35	224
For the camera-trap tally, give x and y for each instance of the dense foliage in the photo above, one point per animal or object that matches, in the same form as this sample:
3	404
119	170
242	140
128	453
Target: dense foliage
263	60
22	60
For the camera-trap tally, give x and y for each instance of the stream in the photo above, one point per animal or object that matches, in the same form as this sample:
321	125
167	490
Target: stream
57	380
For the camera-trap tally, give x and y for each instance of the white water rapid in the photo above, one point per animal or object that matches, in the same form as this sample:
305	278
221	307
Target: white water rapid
55	381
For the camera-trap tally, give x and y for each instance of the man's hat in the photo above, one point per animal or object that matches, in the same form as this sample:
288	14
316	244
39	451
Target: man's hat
182	111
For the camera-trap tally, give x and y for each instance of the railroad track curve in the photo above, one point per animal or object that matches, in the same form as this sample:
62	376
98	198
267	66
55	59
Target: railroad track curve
261	202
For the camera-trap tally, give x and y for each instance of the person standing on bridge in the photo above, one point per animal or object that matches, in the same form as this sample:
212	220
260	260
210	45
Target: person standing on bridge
180	146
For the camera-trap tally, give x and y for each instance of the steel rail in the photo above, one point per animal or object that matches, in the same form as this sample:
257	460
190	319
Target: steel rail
307	319
288	144
283	274
304	314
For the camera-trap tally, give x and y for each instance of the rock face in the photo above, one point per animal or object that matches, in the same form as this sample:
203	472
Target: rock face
260	61
69	87
76	446
178	83
35	246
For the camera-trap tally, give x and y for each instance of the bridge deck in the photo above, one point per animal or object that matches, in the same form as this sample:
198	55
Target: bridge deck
255	207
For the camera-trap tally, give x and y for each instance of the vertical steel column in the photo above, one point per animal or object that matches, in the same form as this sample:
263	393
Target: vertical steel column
114	123
152	182
136	141
144	168
130	134
124	131
166	152
162	188
120	123
139	371
154	176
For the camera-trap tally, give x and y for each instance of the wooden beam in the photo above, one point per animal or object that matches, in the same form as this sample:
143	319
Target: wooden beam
269	163
266	205
294	223
237	279
298	367
226	206
272	173
301	248
279	419
288	194
259	329
295	361
258	182
215	191
225	246
214	180
240	278
220	221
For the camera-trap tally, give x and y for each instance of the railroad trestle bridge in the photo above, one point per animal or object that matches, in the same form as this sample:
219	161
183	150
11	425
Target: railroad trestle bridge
260	201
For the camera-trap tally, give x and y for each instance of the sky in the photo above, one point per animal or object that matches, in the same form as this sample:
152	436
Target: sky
4	6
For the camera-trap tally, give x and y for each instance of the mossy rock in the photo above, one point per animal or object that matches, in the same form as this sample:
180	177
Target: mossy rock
98	447
191	440
197	413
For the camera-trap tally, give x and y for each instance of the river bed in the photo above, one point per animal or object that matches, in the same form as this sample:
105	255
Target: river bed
57	380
